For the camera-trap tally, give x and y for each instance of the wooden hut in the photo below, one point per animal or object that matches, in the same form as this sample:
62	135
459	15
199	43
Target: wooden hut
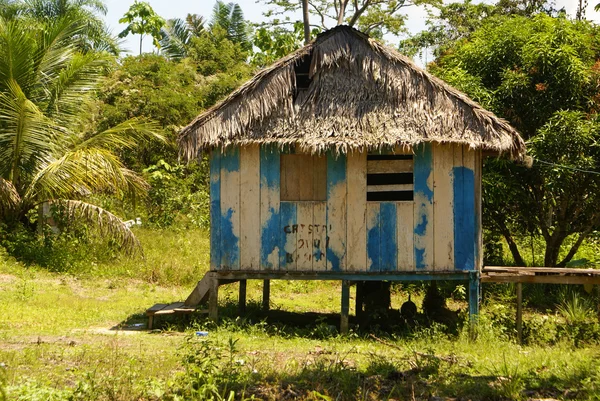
346	161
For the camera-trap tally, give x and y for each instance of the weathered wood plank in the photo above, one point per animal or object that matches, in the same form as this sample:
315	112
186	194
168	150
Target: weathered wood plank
405	222
320	178
373	237
387	188
250	207
423	212
215	209
336	211
443	218
270	223
464	208
389	239
389	166
304	240
306	186
357	206
288	254
319	231
230	209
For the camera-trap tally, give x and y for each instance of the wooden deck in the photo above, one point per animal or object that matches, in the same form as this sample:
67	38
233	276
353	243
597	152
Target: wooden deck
539	275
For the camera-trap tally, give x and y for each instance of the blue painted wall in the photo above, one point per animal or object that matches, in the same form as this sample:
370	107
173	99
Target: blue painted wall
423	197
465	240
336	211
230	250
270	179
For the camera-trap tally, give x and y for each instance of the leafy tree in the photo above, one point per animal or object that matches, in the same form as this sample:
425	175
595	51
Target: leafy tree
142	20
448	23
276	42
543	75
375	17
177	35
46	153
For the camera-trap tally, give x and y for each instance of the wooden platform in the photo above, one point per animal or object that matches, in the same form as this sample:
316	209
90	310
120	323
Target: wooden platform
169	309
539	275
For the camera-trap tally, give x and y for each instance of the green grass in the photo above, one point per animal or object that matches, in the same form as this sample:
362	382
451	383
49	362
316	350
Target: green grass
57	344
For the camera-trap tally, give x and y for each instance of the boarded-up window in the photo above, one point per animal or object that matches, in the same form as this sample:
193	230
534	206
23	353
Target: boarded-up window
389	177
303	177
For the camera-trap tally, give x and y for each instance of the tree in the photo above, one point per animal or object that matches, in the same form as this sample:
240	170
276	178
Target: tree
177	35
142	21
93	35
375	17
275	42
46	154
448	23
543	75
230	18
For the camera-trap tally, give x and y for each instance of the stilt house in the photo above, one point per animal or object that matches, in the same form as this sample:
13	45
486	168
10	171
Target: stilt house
346	161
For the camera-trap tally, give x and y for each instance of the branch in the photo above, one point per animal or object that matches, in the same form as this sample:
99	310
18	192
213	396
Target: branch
514	249
320	14
358	12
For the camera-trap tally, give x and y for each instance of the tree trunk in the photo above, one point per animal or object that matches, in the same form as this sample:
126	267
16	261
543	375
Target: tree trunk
141	38
514	249
306	21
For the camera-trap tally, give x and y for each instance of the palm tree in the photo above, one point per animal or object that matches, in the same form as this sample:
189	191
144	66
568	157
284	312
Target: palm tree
93	34
45	156
177	34
230	17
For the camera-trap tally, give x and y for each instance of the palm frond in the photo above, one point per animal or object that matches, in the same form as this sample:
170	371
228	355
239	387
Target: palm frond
79	77
9	197
25	133
126	135
107	223
83	172
175	38
17	46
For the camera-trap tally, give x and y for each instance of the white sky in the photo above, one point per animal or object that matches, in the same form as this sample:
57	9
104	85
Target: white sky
253	12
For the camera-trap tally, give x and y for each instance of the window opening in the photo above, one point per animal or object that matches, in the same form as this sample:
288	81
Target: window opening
390	178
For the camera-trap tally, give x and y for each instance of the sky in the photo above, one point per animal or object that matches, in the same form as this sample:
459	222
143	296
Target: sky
253	11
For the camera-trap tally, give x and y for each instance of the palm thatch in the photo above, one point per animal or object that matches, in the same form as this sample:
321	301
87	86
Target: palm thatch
361	95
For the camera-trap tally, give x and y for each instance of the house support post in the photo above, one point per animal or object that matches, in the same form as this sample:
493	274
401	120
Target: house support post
360	293
266	295
520	313
345	307
474	285
213	299
242	298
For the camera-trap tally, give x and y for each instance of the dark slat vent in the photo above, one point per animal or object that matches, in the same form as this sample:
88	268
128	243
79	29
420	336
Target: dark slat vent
389	178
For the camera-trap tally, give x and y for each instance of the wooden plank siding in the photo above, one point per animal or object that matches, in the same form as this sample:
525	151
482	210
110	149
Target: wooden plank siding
423	211
357	209
443	217
336	212
230	209
253	229
250	207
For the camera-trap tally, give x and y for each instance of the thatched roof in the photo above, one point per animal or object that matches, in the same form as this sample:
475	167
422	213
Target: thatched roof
361	95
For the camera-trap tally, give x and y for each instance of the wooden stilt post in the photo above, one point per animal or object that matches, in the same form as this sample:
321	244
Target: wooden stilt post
520	313
242	298
213	299
358	309
266	295
473	302
345	307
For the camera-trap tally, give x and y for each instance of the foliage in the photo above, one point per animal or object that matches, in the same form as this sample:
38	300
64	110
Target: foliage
48	154
449	23
230	18
93	35
142	20
374	17
176	35
276	42
178	191
531	71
